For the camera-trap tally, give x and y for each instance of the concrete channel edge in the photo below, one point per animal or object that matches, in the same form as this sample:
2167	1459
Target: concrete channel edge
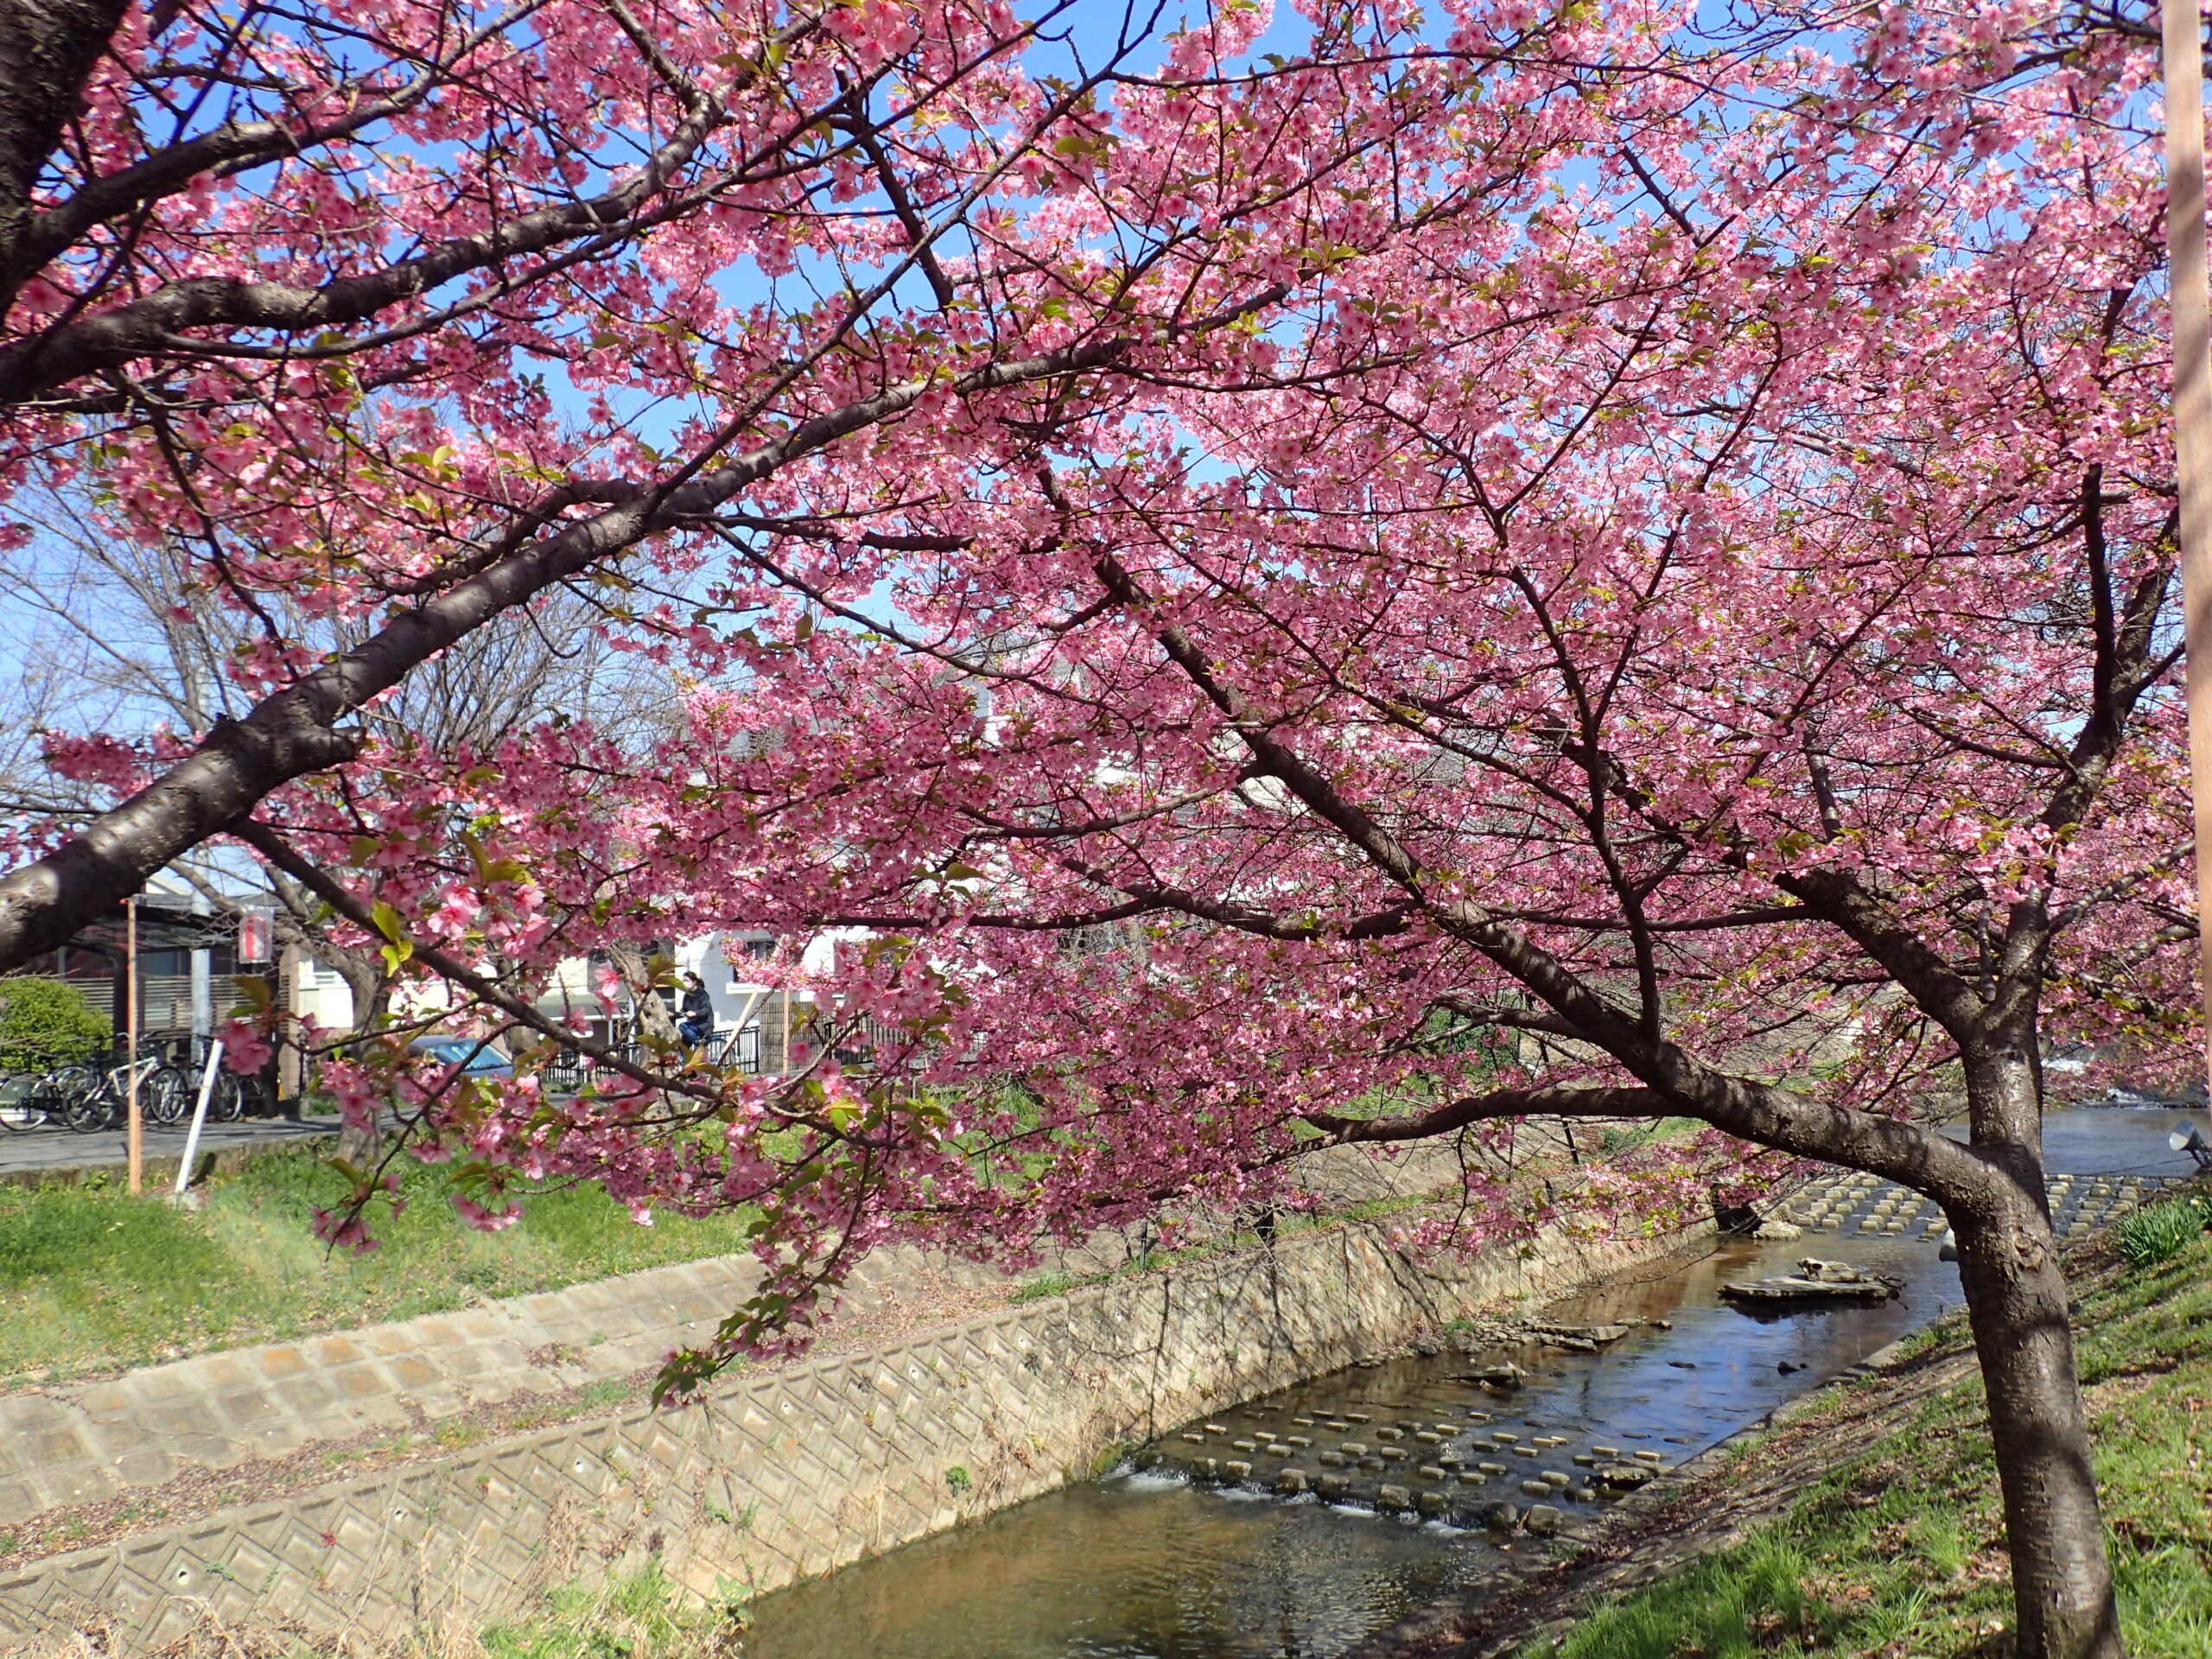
787	1474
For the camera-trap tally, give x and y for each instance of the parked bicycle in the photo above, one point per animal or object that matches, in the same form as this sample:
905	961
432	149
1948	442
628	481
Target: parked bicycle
65	1095
87	1098
90	1098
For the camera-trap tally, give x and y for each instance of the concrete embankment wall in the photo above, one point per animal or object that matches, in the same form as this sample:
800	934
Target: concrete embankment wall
787	1473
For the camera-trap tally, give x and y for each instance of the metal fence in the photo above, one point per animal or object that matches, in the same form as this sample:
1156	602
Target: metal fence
572	1071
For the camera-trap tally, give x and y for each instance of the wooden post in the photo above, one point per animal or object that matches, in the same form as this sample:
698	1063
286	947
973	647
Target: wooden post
291	1064
130	1039
2184	25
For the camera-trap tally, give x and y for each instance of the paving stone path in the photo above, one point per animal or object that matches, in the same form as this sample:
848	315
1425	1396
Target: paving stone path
1859	1204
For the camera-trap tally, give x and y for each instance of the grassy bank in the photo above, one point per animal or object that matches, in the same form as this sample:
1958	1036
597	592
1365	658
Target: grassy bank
1898	1551
92	1280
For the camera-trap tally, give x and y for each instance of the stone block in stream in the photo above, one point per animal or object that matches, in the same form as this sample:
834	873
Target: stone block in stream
1623	1477
1556	1479
1237	1469
1527	1450
1354	1448
1429	1436
1582	1494
1492	1468
1651	1457
1334	1459
1544	1519
1535	1489
1390	1433
1291	1482
1472	1477
1500	1516
1373	1465
1502	1376
1391	1499
1606	1451
1432	1504
1331	1487
1585	1459
1430	1471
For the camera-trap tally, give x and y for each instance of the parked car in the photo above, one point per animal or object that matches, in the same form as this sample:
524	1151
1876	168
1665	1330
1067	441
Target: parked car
477	1057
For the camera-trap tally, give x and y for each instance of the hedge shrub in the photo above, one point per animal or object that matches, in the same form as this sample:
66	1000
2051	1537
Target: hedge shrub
44	1022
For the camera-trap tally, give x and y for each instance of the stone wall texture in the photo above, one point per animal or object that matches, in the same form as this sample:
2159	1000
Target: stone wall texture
784	1474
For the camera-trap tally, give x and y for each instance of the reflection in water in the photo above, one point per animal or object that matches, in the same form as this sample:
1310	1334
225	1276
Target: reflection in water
1127	1566
1139	1567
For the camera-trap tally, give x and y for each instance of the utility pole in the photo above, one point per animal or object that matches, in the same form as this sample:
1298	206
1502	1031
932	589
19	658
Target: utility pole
2183	24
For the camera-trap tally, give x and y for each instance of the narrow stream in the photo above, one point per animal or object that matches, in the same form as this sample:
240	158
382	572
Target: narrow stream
1153	1566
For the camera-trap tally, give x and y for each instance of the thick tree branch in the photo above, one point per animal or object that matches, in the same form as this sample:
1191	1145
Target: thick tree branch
295	732
47	49
1751	1111
113	338
1502	1102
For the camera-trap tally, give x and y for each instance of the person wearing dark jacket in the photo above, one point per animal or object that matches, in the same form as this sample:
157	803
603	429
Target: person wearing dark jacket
697	1016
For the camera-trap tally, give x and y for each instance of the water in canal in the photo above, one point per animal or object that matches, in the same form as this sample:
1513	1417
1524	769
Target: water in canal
1149	1566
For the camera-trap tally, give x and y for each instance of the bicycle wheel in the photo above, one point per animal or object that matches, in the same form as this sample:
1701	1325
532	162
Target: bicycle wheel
165	1095
23	1101
79	1098
227	1103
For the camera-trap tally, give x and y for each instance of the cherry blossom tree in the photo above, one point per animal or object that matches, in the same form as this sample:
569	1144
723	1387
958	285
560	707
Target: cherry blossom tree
1580	561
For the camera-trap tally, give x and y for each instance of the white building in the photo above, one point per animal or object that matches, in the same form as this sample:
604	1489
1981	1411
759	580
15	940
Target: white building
754	1022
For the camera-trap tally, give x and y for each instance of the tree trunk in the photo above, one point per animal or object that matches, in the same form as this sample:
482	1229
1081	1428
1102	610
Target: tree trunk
653	1018
2018	1307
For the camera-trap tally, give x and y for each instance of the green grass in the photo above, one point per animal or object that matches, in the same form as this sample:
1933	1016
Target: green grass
2160	1230
1898	1552
92	1279
642	1616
